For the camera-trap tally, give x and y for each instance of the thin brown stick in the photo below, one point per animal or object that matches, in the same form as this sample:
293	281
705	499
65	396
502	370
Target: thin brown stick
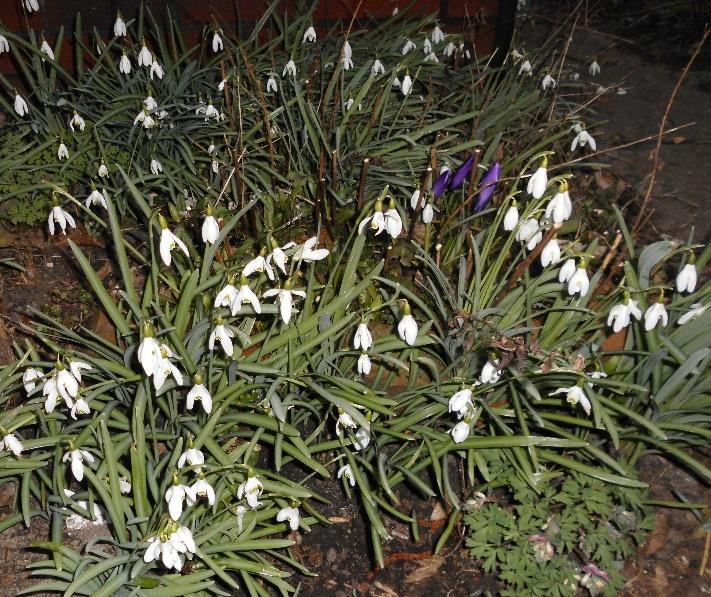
361	185
662	124
705	561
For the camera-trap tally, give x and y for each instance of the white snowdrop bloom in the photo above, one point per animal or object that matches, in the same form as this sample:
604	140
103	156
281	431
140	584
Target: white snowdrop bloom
461	402
145	119
149	103
547	82
182	540
431	57
259	264
309	35
427	47
437	35
168	242
582	139
377	220
362	339
210	228
527	230
4	45
21	105
271	84
348	104
525	68
364	364
32	5
244	296
119	26
408	47
156	69
223	335
428	214
149	351
620	315
77	458
277	256
290	514
308	253
251	489
347	56
81	407
538	181
344	421
156	166
166	369
289	68
396	83
449	49
61	217
406	86
395	11
534	240
361	439
203	489
655	313
62	152
145	58
579	283
211	111
511	217
201	393
221	85
175	495
46	49
490	372
574	395
516	55
551	253
75	368
594	68
215	166
574	76
378	68
10	443
161	548
460	432
95	198
77	121
694	311
560	207
415	199
28	378
566	271
347	472
125	64
686	278
217	44
192	456
103	170
285	298
465	52
50	390
393	221
407	327
211	149
124	485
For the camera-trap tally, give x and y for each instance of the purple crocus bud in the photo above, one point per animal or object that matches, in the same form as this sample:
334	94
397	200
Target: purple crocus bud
462	172
487	187
440	185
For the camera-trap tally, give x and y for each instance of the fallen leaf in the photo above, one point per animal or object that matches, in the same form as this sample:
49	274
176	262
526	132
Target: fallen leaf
425	570
438	512
678	140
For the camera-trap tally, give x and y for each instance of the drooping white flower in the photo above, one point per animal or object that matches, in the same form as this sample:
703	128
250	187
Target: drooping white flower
62	217
259	264
210	227
547	82
594	68
203	489
461	402
415	199
160	548
11	444
407	327
393	221
694	311
525	68
271	84
406	86
309	35
686	278
217	44
347	56
166	369
582	139
124	485
145	119
460	431
511	217
125	64
28	378
579	283
289	68
192	456
655	313
245	295
201	393
32	5
175	495
224	335
408	47
145	58
278	256
81	407
307	252
251	489
377	68
362	339
396	83
285	298
437	35
529	231
96	198
490	372
364	364
574	395
168	242
377	220
449	49
347	472
77	458
103	170
427	47
4	45
21	105
290	514
431	57
551	253
156	69
77	121
62	152
621	314
538	181
149	351
119	26
566	271
560	207
47	49
156	166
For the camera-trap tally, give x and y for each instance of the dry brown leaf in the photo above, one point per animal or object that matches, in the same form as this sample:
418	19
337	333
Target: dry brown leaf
678	139
425	570
438	512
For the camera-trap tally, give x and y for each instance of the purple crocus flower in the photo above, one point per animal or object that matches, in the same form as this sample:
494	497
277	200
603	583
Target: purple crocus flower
487	187
462	172
440	185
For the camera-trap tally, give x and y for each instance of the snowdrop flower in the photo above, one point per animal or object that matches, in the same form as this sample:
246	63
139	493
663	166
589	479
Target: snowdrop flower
525	68
511	217
393	221
620	315
119	26
290	514
461	402
75	368
377	69
32	5
551	253
210	227
259	264
560	207
362	339
77	121
95	198
271	84
149	351
182	540
124	64
407	328
594	68
61	383
415	199
344	421
529	232
285	298
28	378
251	489
396	83
201	393
60	216
427	47
10	443
203	489
166	369
579	283
215	166
244	296
224	335
168	242
582	139
377	220
547	82
4	45
149	103
160	548
347	472
539	180
437	35
686	278
145	58
124	485
226	297
46	49
574	395
431	57
62	152
347	56
156	69
490	372
349	104
364	364
566	271
574	76
449	49
175	495
145	119
156	166
408	47
695	310
655	313
103	170
460	431
406	86
77	458
289	68
306	252
278	256
217	44
21	105
309	35
81	407
192	456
